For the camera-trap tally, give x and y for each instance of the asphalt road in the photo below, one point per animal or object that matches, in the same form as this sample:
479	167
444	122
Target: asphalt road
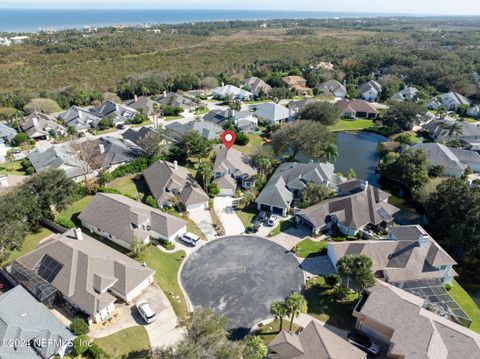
239	277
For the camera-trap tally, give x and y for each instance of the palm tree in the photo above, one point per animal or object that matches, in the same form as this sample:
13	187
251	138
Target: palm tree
205	169
279	310
329	152
296	304
455	129
345	267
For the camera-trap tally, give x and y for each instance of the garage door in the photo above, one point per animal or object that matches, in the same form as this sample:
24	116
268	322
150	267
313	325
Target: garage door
226	192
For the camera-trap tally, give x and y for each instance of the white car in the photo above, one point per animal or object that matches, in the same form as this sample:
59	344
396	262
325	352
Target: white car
146	311
273	220
190	238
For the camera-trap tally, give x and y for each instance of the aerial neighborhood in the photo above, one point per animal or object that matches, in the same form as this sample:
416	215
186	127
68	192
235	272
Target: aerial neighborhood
339	222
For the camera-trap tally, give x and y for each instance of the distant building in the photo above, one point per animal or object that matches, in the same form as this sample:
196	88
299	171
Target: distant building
80	118
142	104
175	100
273	113
408	93
451	101
6	133
334	87
370	91
357	108
256	85
233	91
297	84
39	126
207	130
119	113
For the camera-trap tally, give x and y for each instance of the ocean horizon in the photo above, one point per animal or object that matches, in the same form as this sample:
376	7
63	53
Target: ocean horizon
34	20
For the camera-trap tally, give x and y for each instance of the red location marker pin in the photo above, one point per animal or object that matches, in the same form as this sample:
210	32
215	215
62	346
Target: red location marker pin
228	138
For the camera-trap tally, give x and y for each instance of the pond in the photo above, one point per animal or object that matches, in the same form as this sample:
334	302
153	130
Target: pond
360	151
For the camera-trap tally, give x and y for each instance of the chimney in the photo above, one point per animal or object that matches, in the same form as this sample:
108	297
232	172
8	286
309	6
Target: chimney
175	164
78	234
3	181
102	148
164	94
233	115
423	240
223	83
364	185
135	98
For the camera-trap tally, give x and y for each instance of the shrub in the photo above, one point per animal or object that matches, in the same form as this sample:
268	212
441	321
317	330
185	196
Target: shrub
435	171
105	123
341	292
242	139
448	286
81	344
68	224
96	352
332	280
409	138
213	190
151	201
19	139
167	245
105	178
30	170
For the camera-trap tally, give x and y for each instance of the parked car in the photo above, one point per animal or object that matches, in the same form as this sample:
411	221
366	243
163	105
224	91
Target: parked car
256	225
146	311
364	342
273	220
263	216
190	238
120	126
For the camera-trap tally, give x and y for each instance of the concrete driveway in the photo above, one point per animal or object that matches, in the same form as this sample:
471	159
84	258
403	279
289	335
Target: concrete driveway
163	331
201	217
223	207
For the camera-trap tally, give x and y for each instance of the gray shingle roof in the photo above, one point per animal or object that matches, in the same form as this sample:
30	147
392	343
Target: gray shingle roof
416	332
164	178
439	129
175	100
22	319
370	86
119	112
272	112
233	162
331	86
354	211
224	91
277	192
313	342
115	150
401	258
255	84
80	118
136	136
208	130
81	260
38	124
57	157
142	103
7	133
120	216
408	93
440	155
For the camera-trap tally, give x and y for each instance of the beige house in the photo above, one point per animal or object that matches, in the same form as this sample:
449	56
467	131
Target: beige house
313	342
298	84
87	275
398	320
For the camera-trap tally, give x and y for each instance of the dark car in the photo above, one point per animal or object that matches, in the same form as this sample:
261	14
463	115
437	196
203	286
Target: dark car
364	342
120	126
263	216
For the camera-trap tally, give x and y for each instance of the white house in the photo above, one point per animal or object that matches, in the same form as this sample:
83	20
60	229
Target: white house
370	90
334	87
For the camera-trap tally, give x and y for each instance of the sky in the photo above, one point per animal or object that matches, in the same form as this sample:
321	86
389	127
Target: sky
434	7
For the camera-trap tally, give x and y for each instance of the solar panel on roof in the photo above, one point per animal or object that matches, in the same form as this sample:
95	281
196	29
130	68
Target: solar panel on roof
48	268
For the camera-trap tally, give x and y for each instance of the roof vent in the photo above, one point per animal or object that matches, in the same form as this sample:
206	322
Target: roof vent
423	240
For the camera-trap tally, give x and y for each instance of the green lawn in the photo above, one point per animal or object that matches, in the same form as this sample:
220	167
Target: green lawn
30	242
130	185
145	123
323	306
75	208
256	141
11	168
310	248
281	227
171	118
352	125
270	330
246	216
167	266
201	111
468	305
105	131
127	343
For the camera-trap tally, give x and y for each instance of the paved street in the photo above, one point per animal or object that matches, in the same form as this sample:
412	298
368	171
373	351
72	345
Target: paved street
223	207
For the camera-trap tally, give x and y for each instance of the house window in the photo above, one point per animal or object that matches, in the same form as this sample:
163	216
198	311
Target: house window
443	267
